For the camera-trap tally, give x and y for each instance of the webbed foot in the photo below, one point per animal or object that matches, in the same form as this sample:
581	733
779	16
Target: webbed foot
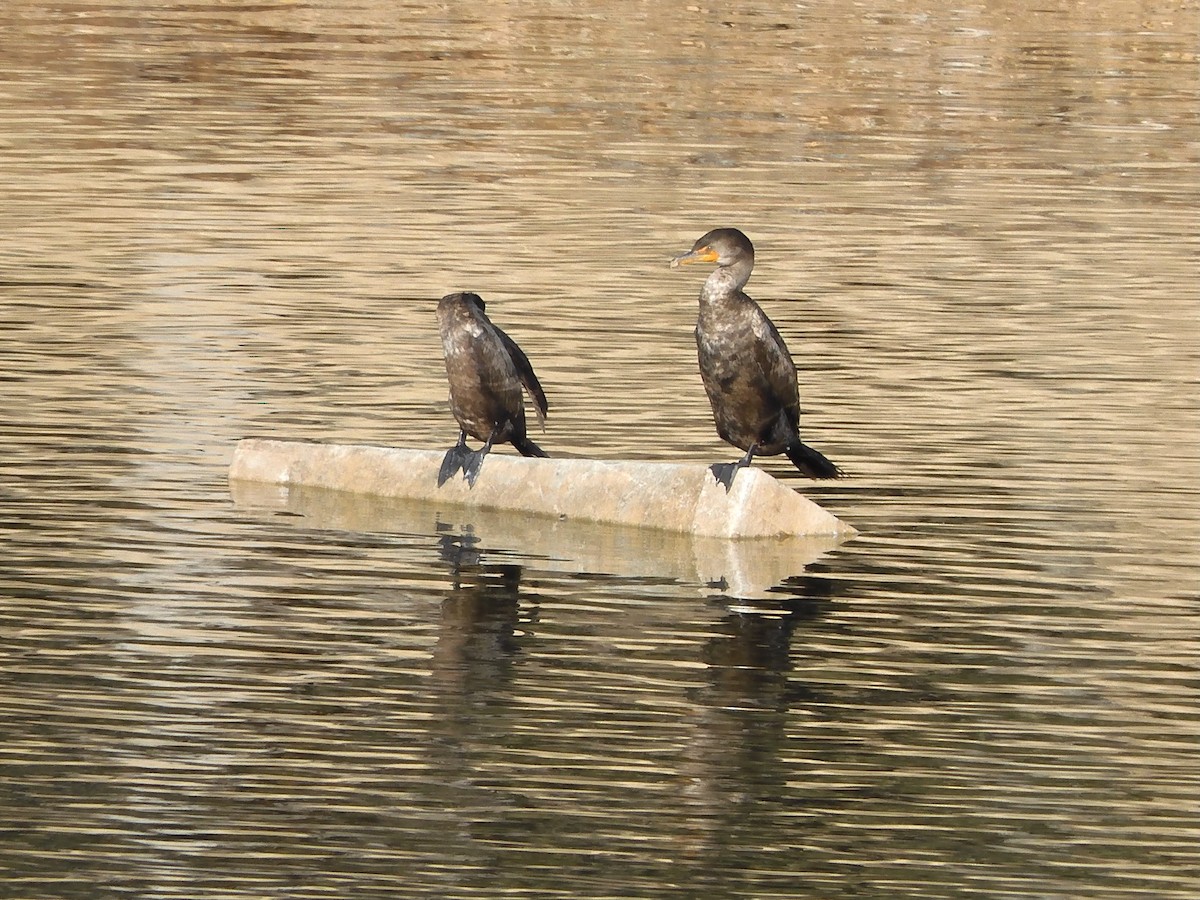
456	458
724	473
473	464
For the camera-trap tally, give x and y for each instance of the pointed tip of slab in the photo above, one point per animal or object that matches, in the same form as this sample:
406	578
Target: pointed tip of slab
676	497
759	505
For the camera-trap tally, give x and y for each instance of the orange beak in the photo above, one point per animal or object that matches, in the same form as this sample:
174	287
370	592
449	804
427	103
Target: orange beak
704	254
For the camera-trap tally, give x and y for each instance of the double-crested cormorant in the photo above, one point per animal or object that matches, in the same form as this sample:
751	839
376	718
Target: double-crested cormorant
745	365
486	370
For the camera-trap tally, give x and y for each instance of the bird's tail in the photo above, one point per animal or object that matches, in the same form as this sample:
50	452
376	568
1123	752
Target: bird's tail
811	462
526	447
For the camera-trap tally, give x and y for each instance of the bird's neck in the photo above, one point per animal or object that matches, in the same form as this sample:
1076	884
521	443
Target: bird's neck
725	282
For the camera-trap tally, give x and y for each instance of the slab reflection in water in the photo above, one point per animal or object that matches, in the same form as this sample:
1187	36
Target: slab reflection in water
745	569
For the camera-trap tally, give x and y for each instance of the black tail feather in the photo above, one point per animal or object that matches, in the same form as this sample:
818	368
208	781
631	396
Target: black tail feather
526	447
811	462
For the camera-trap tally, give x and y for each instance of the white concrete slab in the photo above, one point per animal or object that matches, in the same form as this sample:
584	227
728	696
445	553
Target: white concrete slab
673	497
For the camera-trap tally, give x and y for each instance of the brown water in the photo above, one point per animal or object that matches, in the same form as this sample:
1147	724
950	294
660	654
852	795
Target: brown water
977	228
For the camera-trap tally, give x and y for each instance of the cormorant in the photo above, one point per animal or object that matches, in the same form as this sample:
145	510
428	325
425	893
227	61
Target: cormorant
486	370
746	368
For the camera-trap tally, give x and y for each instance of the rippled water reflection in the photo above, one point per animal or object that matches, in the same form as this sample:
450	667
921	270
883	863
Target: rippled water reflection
976	228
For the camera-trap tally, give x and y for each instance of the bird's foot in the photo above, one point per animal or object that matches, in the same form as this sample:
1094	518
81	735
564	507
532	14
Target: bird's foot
724	473
456	458
473	464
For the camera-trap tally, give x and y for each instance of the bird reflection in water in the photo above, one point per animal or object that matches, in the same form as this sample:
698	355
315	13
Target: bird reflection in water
478	637
472	671
742	713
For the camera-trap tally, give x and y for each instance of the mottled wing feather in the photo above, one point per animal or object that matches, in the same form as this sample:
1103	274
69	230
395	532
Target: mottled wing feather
526	374
777	366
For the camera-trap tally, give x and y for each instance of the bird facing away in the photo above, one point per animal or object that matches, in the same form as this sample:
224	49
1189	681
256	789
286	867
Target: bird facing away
487	371
745	366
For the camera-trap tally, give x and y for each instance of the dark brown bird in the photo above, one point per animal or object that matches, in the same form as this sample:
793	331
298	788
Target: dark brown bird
487	371
745	365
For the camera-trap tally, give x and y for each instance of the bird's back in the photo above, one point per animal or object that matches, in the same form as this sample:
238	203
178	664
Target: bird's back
485	390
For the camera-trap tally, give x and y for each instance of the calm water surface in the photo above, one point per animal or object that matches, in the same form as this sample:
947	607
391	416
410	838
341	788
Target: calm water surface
977	229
